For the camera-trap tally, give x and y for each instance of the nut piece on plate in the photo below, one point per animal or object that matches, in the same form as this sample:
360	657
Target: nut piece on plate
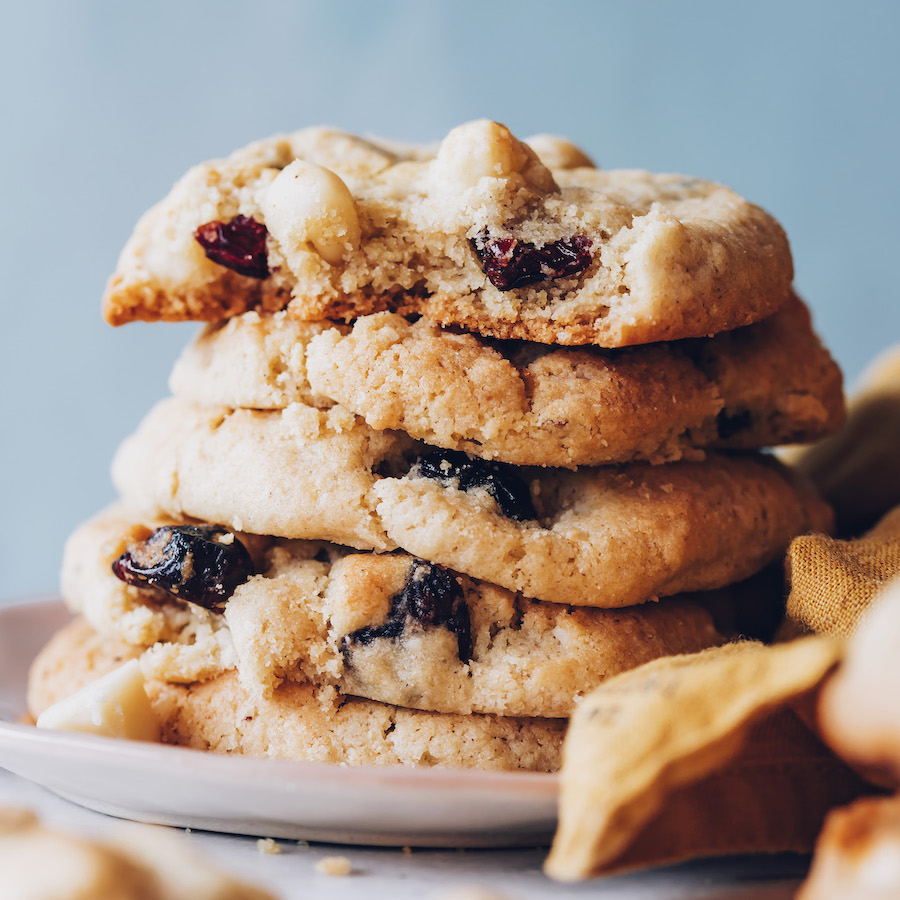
115	705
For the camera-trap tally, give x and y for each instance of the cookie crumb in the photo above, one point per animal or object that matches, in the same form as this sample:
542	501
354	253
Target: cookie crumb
268	846
334	865
407	851
327	697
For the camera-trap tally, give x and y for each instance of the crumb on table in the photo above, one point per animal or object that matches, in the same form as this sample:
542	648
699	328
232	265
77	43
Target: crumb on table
334	865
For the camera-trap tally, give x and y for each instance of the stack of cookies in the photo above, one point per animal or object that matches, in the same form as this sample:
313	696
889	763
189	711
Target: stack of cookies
461	416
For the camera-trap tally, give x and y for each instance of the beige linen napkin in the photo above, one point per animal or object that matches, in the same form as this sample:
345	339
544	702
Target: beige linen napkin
834	582
696	755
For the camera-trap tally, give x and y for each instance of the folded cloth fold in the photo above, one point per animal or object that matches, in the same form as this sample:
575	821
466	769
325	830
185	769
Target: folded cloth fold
699	755
834	582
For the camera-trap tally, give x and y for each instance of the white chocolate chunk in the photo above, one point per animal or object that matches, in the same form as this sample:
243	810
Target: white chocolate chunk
486	149
308	204
115	705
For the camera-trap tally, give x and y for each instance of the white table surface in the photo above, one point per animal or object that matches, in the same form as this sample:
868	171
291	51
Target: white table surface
390	873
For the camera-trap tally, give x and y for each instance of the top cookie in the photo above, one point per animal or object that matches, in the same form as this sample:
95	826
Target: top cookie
479	233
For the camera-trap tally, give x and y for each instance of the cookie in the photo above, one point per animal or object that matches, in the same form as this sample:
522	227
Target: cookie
482	234
857	854
300	472
417	634
300	721
527	403
133	862
777	381
857	469
385	627
606	537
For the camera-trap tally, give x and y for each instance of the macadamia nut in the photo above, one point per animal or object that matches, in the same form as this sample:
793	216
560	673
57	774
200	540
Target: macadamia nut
307	205
487	149
558	153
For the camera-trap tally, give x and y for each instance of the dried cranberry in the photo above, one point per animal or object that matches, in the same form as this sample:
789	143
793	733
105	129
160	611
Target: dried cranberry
239	244
510	263
431	597
456	469
202	564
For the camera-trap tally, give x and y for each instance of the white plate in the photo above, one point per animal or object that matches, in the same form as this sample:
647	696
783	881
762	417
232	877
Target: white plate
388	806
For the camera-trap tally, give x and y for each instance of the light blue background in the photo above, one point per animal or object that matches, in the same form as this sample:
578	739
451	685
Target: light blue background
794	104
